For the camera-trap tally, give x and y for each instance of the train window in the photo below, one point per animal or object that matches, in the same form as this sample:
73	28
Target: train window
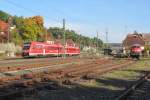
55	48
37	47
26	44
26	47
147	43
48	47
60	48
52	48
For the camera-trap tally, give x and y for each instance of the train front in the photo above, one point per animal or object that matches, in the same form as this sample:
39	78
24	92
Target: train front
136	51
26	49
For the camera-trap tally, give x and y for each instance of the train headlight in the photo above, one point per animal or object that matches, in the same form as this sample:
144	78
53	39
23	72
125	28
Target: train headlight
142	48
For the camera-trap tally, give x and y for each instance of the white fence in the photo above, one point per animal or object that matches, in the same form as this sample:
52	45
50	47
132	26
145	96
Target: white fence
9	49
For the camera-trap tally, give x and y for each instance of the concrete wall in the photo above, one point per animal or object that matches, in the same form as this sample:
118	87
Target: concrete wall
9	49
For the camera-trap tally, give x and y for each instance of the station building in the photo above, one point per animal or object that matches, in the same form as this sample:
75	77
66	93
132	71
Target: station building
143	39
3	31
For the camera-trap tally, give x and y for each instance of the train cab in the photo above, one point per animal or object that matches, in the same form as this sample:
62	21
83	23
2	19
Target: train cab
136	51
26	49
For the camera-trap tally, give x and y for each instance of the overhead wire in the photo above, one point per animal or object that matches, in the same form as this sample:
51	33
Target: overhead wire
30	10
49	17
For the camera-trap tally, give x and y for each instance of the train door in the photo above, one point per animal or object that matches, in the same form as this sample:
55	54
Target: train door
44	53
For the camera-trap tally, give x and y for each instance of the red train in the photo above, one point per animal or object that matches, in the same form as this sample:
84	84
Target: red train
48	48
136	51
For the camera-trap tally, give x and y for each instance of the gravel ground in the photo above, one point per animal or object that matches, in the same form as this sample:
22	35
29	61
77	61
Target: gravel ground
101	87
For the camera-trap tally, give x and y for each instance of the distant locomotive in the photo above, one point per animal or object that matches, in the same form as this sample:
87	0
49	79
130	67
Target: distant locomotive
46	49
133	45
136	51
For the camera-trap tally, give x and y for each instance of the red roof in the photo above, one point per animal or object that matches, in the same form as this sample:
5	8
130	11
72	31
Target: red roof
132	39
136	39
3	26
3	31
146	36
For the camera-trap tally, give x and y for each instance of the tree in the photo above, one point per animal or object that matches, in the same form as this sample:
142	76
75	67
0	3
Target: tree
4	16
18	21
56	32
135	32
78	39
31	29
16	37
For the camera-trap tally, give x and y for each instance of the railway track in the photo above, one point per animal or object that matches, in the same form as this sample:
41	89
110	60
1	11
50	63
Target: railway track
63	75
56	68
12	66
22	60
138	91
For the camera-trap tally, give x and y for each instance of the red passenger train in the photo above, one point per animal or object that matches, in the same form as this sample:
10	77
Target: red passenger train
49	48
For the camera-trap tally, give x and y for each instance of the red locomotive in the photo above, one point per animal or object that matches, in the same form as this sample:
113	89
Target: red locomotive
49	48
136	51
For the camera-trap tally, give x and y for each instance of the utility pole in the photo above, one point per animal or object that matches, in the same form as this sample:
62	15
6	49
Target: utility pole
107	38
80	41
125	29
9	25
46	35
79	44
97	41
64	36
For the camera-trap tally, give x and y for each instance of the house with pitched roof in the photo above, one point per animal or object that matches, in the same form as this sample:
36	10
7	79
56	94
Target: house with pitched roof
131	39
146	39
3	31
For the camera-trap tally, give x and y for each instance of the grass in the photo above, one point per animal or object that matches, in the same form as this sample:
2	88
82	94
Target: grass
122	74
130	73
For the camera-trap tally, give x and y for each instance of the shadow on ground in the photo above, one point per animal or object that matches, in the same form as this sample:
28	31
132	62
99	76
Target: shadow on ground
81	92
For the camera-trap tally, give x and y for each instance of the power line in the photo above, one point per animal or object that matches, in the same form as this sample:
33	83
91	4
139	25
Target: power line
29	10
56	10
48	17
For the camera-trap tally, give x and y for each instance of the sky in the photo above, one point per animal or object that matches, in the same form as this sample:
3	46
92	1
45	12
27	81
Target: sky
87	17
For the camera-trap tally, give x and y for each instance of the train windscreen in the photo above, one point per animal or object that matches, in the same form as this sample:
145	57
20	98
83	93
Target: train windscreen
26	46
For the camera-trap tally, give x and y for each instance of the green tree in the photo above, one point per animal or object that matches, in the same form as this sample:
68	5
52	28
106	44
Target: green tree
31	29
16	37
78	39
4	16
56	32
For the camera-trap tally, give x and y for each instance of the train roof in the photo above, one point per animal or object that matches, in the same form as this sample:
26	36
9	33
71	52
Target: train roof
136	45
146	36
52	44
132	39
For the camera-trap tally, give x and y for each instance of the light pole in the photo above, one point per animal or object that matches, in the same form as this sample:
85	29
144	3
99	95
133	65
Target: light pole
46	39
9	24
97	44
107	38
64	36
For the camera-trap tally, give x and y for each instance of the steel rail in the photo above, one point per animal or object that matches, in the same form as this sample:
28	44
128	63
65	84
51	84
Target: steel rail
131	89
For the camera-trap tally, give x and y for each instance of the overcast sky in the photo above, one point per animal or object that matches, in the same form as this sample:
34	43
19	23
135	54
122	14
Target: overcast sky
87	16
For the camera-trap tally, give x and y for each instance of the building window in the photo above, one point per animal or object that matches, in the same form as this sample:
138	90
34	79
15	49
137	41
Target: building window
147	43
